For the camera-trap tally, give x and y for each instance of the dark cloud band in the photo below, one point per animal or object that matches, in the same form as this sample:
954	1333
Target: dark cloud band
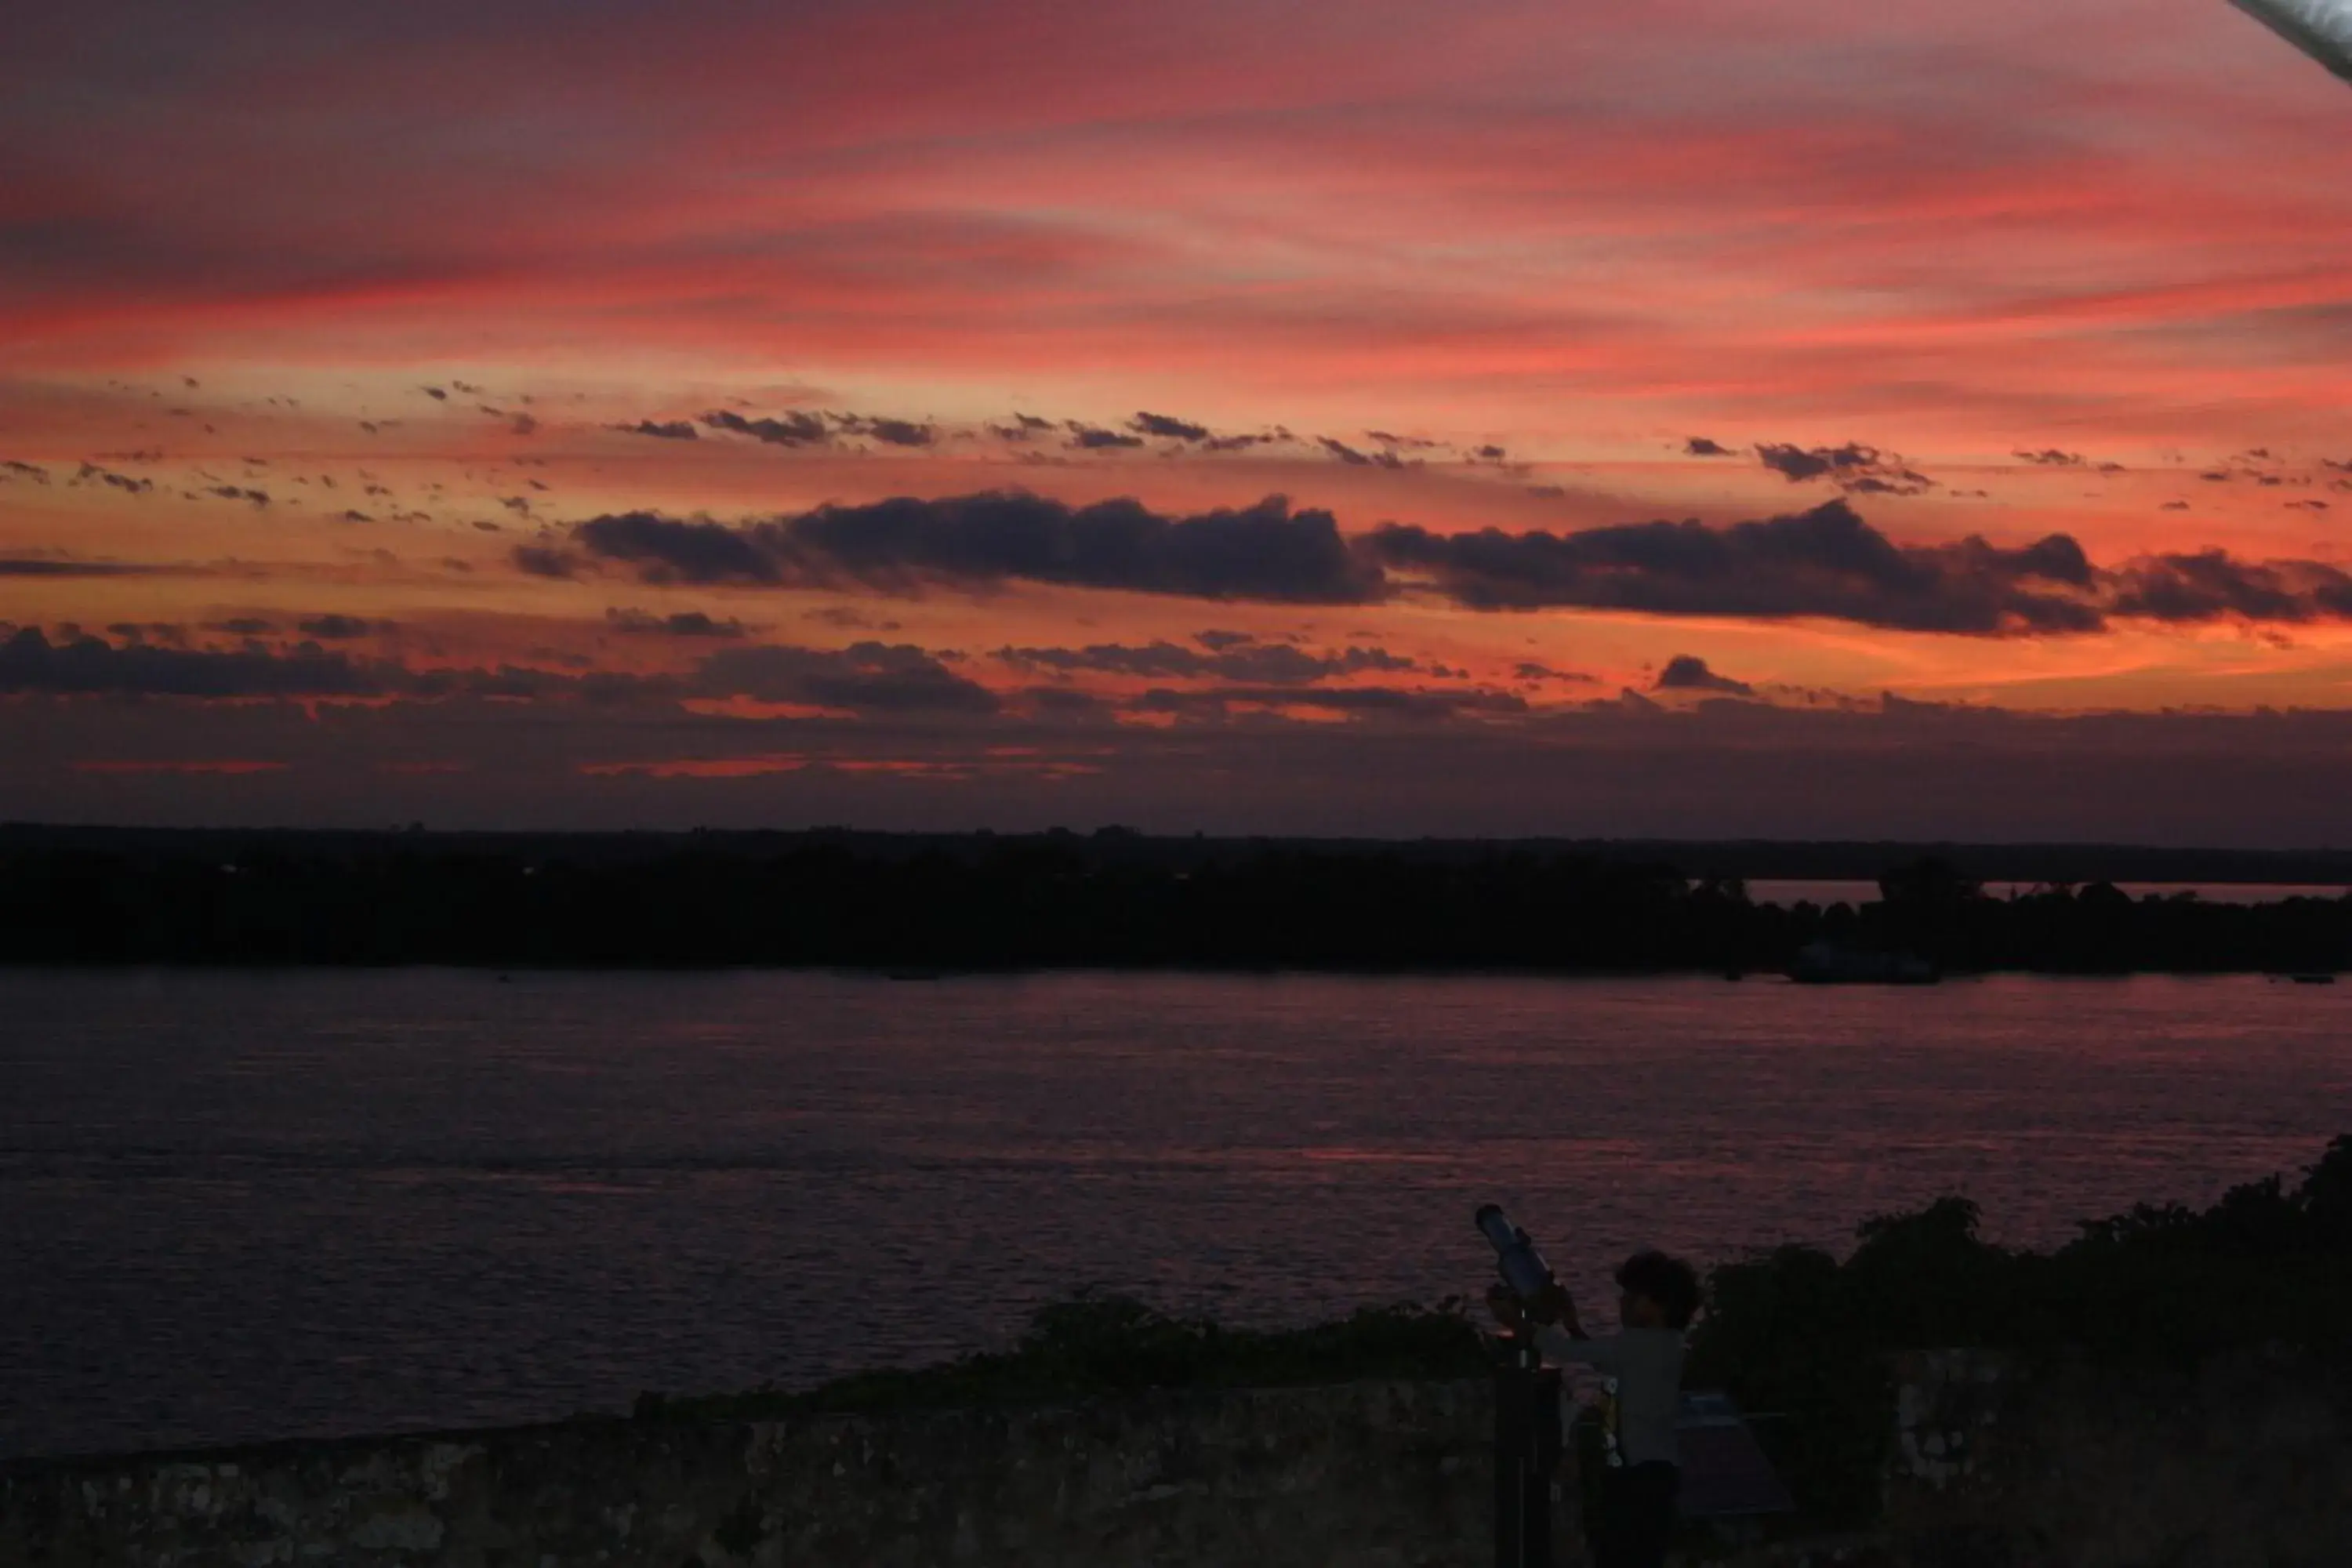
87	666
865	678
1826	563
903	546
1250	661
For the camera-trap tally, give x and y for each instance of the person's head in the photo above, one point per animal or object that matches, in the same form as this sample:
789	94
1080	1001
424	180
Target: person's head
1657	1292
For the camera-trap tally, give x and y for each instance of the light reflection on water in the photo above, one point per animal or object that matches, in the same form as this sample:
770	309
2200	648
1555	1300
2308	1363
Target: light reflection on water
250	1206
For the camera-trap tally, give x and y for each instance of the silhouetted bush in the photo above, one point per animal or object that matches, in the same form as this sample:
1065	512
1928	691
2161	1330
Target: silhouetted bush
1092	1345
1800	1334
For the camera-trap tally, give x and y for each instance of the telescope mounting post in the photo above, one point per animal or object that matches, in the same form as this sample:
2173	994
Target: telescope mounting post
1529	1435
1527	1442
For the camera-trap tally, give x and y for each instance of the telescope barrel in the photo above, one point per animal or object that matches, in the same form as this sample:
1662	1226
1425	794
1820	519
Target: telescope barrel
2320	28
1522	1266
1526	1408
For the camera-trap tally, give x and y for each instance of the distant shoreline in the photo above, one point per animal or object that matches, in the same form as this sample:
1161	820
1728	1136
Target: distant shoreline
1763	860
914	906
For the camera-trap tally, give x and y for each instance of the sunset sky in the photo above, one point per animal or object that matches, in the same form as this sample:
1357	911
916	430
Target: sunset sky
1677	417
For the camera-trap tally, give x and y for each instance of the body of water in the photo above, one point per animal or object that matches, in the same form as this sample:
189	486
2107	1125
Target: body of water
247	1205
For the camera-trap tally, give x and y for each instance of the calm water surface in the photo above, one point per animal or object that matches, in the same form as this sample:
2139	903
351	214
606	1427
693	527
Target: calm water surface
237	1206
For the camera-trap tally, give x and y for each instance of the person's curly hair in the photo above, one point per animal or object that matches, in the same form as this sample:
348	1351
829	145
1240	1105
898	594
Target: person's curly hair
1669	1281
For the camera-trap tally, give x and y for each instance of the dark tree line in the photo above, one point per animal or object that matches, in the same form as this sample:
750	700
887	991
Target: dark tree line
1061	899
1799	1332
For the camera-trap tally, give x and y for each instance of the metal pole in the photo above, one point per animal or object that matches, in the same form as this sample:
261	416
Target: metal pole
1543	1463
1526	1450
1511	1436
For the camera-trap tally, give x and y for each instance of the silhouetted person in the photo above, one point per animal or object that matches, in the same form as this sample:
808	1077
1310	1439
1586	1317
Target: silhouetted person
1643	1363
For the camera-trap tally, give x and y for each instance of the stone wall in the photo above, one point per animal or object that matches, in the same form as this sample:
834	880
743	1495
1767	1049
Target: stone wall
2248	1461
1393	1475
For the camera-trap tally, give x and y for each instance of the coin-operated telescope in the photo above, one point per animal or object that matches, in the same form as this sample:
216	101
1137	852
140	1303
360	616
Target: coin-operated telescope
1528	1429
